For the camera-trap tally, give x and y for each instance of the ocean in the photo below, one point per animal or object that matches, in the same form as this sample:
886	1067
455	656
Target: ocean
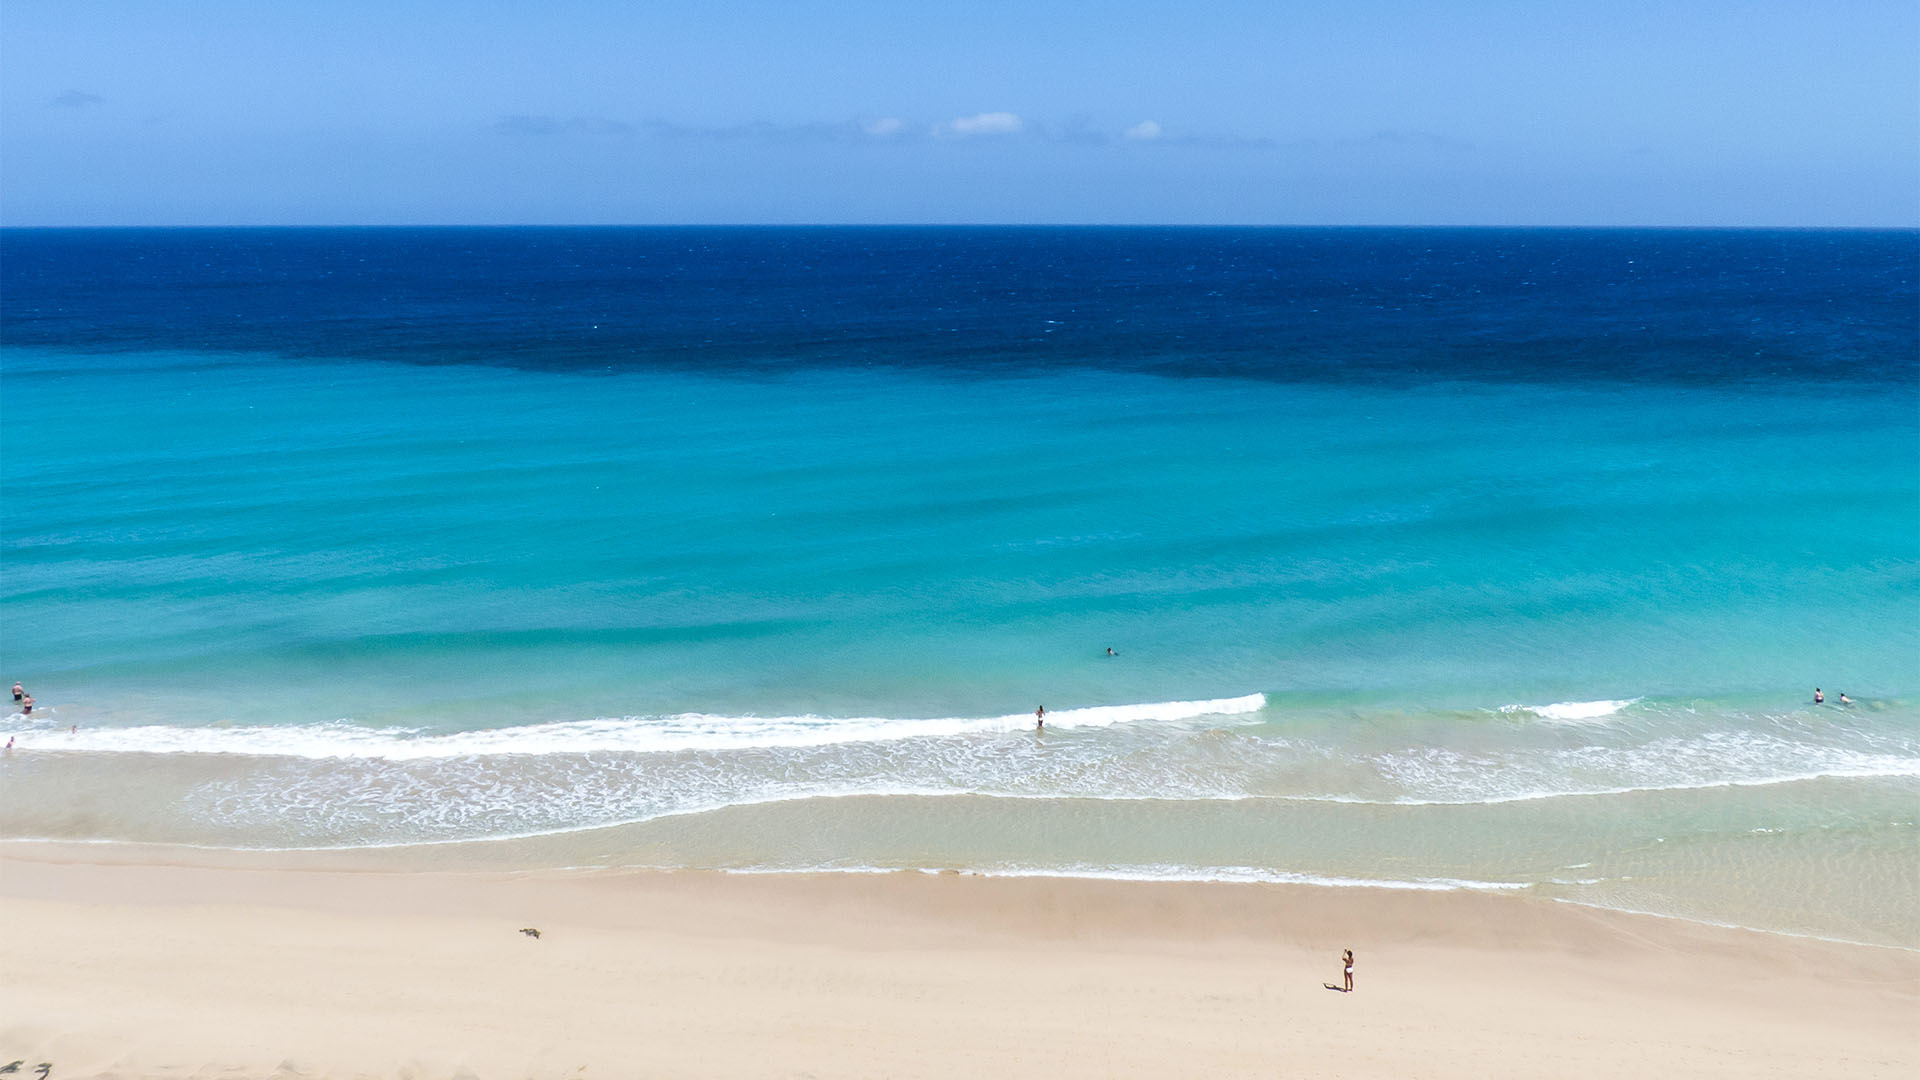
1428	558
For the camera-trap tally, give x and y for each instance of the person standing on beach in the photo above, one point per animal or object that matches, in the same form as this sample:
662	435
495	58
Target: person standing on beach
1347	958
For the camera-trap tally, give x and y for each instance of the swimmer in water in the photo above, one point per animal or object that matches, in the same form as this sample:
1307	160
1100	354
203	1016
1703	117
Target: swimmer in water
1818	697
1844	699
1110	651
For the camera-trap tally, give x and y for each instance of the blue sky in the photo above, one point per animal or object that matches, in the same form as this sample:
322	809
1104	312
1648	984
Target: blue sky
1360	112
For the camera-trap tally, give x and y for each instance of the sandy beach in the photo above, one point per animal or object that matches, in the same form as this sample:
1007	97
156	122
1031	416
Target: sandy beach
119	962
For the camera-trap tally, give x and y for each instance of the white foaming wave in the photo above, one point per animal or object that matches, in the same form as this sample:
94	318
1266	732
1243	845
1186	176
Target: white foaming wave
1892	769
1715	759
1572	711
628	734
1246	875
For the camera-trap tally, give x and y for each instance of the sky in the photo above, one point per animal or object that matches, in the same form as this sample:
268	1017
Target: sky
1041	111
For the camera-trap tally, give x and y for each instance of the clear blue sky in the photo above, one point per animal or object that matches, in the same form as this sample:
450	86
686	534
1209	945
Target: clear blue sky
1362	111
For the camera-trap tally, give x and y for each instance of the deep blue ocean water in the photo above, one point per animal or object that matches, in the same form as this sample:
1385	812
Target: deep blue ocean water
1503	556
1403	306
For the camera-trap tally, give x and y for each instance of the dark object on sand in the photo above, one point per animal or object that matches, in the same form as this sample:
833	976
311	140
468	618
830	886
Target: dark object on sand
13	1066
530	932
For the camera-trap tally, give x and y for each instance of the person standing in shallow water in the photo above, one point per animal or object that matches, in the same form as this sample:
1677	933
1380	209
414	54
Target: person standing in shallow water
1040	718
1818	697
18	691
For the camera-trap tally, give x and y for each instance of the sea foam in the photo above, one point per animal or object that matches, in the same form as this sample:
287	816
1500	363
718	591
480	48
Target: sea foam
1572	711
628	734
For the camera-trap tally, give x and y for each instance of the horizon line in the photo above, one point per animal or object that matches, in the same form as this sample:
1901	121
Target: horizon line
954	225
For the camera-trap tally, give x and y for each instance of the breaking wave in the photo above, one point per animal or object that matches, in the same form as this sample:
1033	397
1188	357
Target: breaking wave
626	734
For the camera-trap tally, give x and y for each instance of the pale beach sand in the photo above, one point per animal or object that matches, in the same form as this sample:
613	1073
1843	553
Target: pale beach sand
126	963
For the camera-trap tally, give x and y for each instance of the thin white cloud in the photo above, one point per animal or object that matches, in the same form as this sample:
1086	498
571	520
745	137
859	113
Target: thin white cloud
553	125
895	131
845	131
986	123
75	99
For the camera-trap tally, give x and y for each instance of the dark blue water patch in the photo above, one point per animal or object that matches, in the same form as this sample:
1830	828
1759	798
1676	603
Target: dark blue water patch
1289	304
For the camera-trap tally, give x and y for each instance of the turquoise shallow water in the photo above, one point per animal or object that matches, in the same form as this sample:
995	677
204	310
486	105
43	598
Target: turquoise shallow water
1552	635
461	547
